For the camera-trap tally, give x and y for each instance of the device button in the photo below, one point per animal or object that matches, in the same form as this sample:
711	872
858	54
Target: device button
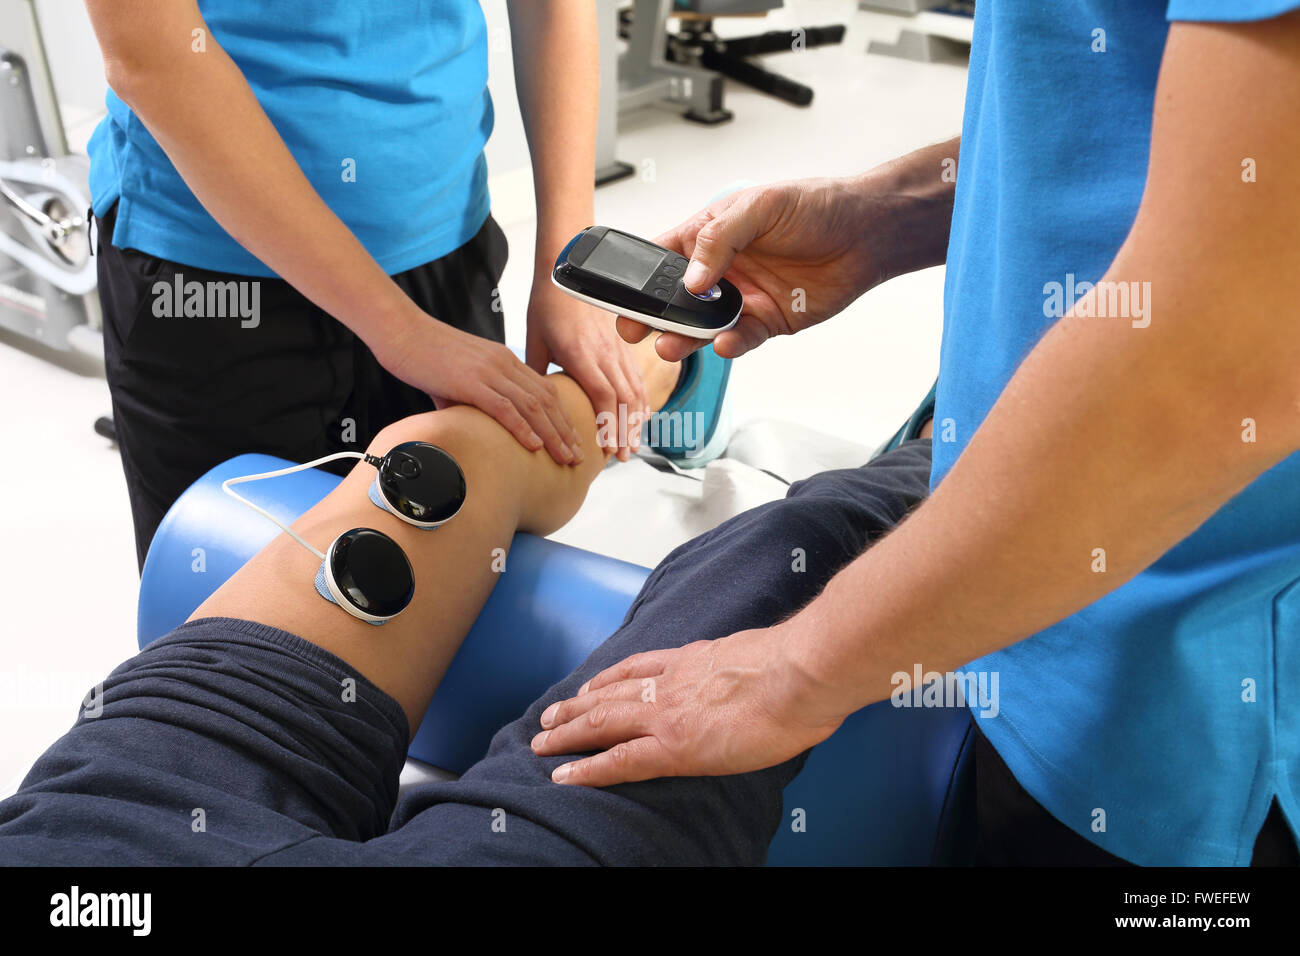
661	293
671	271
665	281
709	296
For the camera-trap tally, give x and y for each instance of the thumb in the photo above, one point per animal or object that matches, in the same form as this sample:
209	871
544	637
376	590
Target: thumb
719	240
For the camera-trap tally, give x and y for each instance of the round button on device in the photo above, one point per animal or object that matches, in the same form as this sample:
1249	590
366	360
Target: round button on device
714	293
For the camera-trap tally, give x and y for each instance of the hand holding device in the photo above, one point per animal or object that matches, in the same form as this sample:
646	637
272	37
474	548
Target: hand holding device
799	252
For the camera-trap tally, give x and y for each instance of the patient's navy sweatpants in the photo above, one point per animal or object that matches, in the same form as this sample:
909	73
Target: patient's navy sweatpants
243	727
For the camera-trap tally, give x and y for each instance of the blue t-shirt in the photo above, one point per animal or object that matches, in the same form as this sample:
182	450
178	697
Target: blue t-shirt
1160	721
383	103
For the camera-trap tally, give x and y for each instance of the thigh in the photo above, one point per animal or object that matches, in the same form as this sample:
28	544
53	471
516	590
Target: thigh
197	376
219	744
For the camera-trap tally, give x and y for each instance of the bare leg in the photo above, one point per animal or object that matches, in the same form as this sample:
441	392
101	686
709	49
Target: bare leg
509	490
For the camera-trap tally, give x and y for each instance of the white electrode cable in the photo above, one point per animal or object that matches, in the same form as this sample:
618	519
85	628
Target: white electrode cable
225	486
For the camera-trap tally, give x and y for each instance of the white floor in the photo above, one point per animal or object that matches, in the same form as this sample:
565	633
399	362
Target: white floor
67	563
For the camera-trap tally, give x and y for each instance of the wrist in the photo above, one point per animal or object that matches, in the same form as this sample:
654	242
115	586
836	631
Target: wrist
553	234
819	681
400	332
907	210
542	283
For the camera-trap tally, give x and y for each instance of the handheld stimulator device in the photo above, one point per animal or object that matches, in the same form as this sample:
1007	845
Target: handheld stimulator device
630	276
364	571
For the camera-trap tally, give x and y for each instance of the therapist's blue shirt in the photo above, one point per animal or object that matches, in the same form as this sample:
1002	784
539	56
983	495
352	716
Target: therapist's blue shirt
1161	721
383	103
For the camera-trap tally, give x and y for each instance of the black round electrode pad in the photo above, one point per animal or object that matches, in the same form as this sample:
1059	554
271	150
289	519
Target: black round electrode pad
421	483
372	572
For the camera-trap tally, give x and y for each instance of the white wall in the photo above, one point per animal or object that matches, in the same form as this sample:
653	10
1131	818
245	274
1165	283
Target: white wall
72	53
507	151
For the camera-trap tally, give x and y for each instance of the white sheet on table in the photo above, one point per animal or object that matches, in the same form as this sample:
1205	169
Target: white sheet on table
639	514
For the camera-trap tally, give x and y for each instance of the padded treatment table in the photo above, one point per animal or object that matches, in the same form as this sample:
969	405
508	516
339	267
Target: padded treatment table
891	786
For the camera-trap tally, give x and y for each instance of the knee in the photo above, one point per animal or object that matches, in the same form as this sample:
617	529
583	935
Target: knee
824	484
475	441
817	533
467	434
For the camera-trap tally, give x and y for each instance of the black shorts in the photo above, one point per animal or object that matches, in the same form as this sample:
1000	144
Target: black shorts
1016	830
190	392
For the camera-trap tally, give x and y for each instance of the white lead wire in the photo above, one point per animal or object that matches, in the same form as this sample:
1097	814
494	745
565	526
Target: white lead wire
225	486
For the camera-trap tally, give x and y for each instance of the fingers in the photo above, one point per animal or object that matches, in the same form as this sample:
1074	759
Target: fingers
711	239
747	334
638	398
673	347
647	664
624	395
718	240
630	330
613	381
548	395
681	238
595	720
621	713
504	409
603	395
563	711
644	758
536	403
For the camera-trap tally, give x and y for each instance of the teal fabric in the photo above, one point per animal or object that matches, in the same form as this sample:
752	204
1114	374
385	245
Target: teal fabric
383	103
686	429
910	429
1162	720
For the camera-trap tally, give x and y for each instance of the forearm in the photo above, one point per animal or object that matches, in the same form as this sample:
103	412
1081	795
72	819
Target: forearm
913	196
1108	437
557	76
236	164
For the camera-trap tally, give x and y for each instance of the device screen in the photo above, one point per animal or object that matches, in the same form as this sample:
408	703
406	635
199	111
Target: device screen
624	259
